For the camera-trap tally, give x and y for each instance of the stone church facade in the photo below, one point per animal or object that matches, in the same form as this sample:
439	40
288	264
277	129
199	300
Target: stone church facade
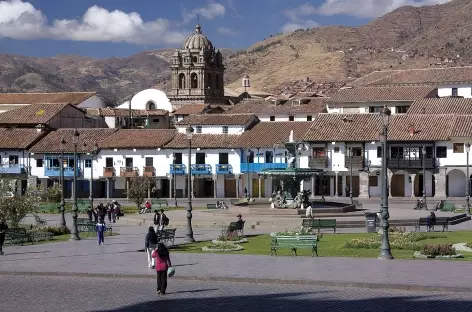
197	73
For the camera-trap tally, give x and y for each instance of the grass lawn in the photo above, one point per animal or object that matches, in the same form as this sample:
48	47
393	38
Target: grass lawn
332	245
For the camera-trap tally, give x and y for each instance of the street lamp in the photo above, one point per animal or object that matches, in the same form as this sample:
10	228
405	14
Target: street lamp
92	153
385	252
248	159
467	195
74	231
174	182
350	177
62	145
189	233
423	151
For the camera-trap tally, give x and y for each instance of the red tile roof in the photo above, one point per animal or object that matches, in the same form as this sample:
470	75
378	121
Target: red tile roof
218	120
32	114
20	138
138	138
190	109
204	141
120	112
441	106
267	134
73	98
307	106
382	94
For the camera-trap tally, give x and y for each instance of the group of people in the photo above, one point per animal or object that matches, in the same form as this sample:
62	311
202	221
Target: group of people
111	210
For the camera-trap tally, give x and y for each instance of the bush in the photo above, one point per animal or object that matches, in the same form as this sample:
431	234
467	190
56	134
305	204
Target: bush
398	240
438	250
56	230
52	194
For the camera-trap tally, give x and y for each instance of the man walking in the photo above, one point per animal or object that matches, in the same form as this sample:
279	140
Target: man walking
3	228
156	220
163	221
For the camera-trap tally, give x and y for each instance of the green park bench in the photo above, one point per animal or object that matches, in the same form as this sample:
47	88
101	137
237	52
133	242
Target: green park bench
83	205
16	236
157	203
48	208
166	236
211	206
440	221
39	221
294	243
40	236
319	224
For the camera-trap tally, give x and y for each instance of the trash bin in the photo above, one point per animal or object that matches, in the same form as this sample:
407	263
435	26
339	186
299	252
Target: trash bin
370	222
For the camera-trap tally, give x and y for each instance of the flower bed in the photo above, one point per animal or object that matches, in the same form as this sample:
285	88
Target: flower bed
236	240
398	240
300	232
437	252
222	246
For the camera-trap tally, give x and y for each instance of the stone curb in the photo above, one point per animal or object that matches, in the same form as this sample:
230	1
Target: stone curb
406	287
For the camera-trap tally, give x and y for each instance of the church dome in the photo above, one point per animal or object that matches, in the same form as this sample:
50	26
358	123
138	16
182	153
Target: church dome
198	41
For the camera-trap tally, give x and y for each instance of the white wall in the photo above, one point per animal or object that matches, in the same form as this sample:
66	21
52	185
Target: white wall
93	102
213	129
297	117
140	100
361	108
464	90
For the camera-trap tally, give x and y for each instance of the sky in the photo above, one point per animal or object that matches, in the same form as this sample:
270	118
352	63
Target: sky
119	28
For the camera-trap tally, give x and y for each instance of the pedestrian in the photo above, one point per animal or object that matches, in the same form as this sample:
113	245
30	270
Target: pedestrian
150	244
161	254
89	214
116	212
95	215
156	219
109	210
100	228
3	229
163	221
101	212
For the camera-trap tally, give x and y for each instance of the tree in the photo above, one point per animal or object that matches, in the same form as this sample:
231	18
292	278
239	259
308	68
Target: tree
138	190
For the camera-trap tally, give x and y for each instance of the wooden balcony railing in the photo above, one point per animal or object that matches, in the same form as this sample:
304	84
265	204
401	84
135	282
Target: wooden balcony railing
129	172
318	162
149	171
109	172
358	162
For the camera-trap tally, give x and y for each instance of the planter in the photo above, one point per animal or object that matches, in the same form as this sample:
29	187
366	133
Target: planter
419	255
241	241
219	246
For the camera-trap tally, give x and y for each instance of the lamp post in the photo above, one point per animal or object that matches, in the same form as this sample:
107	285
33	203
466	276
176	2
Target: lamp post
92	153
467	195
62	145
350	177
174	186
385	252
189	231
248	171
423	151
74	231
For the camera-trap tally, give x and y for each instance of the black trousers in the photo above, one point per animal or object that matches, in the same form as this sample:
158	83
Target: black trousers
2	240
162	281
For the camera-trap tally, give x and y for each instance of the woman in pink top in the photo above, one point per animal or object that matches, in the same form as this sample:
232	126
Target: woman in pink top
161	253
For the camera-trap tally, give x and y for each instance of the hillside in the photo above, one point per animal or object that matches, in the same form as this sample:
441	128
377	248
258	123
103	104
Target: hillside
405	38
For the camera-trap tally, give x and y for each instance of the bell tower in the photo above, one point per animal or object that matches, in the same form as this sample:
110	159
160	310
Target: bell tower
197	73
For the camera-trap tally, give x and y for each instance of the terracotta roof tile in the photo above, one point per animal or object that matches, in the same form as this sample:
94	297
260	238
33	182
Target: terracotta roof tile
32	114
119	112
345	127
266	134
382	94
191	109
73	98
20	138
307	106
462	127
218	119
441	106
426	127
138	138
204	141
87	140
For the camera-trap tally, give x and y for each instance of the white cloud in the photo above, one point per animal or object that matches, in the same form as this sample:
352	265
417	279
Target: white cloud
289	27
21	20
297	17
211	11
227	31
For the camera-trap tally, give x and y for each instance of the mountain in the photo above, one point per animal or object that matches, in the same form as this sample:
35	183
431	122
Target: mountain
408	37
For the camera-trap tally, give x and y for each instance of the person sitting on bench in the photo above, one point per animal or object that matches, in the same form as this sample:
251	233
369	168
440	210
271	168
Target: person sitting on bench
431	220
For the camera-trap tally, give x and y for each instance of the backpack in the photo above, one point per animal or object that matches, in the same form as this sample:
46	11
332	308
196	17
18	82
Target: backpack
166	220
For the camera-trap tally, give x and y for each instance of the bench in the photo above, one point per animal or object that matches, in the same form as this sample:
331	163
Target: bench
39	221
440	221
167	235
235	227
294	243
83	205
319	224
16	236
40	236
158	203
211	206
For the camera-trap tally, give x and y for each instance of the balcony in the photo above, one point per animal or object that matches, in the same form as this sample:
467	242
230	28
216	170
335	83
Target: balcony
12	169
129	172
178	169
149	171
108	172
56	172
318	162
201	169
224	169
358	162
257	167
412	163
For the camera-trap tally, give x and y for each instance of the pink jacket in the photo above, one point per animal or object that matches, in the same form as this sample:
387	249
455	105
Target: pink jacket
161	264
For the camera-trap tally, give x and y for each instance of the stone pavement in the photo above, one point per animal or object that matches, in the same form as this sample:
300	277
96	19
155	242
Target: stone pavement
121	255
125	295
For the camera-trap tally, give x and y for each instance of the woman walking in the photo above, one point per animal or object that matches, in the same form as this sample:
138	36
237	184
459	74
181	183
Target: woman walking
150	244
161	254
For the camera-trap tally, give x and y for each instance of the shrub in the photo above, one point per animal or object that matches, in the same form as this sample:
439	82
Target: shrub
438	250
56	230
398	240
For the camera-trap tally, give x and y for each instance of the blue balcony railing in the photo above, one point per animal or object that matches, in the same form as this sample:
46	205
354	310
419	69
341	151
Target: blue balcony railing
224	169
257	167
56	172
12	169
201	169
178	169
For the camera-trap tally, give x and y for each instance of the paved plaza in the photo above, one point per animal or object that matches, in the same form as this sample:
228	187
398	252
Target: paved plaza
127	294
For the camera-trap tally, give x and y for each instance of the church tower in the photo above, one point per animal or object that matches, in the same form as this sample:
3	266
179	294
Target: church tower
197	73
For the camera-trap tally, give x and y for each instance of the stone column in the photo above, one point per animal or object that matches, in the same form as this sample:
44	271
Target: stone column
412	184
260	186
389	183
238	178
336	191
313	186
364	184
215	185
440	184
108	188
343	185
127	188
171	186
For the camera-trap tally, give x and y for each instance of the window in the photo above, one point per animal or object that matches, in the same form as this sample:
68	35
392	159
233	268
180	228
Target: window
178	158
13	159
336	149
455	92
198	129
441	152
225	129
269	157
402	109
109	162
291	118
200	158
88	163
458	148
375	109
319	152
223	159
150	105
373	181
194	59
272	118
250	157
356	151
155	120
149	162
309	118
39	163
129	162
379	151
396	152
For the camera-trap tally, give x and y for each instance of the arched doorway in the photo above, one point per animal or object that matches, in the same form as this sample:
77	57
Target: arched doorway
194	81
456	183
182	81
355	186
430	184
397	184
375	187
150	105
